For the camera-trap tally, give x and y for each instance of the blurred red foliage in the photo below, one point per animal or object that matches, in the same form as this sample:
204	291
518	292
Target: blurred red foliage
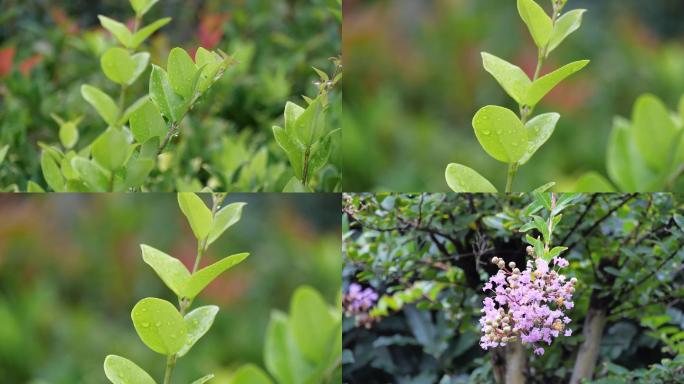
210	31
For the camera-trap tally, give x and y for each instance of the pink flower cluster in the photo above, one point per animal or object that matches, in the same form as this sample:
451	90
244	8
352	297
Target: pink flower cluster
528	306
357	302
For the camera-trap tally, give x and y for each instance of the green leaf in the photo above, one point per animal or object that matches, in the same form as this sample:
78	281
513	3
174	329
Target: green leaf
51	172
654	132
147	122
171	270
500	133
3	153
224	219
513	80
182	71
593	182
33	187
281	356
197	213
198	323
159	325
142	6
545	187
200	279
294	185
624	163
292	113
169	104
320	152
118	30
312	324
539	130
103	104
137	171
123	68
204	379
93	175
250	374
293	149
464	179
213	63
110	149
142	35
310	125
565	25
545	84
556	251
68	135
132	108
120	370
537	21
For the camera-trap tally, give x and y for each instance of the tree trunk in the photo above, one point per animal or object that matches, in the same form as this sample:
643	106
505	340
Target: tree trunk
499	365
587	356
516	363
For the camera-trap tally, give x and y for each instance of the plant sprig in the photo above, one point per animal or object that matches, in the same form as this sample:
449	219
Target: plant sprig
305	137
507	137
124	155
163	328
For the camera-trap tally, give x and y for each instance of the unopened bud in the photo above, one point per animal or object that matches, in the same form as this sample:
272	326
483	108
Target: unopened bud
501	264
511	265
530	250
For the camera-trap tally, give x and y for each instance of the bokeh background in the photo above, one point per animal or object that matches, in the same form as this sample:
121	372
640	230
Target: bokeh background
48	49
415	80
71	271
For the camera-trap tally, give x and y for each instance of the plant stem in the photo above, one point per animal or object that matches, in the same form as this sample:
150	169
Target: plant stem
170	364
122	97
305	172
184	303
512	170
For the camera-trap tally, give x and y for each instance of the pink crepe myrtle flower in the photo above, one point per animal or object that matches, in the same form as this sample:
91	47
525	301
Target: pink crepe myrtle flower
357	302
527	306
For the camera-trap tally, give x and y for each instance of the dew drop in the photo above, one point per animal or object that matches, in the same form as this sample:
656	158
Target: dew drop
158	324
145	324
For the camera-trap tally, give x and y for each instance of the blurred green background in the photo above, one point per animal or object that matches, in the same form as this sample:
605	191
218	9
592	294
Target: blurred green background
415	80
48	49
71	271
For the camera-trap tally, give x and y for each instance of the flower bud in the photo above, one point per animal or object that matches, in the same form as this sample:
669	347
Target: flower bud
495	260
511	265
530	250
501	264
506	329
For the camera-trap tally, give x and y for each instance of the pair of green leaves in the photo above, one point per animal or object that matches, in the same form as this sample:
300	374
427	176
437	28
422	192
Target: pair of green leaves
164	330
124	35
643	154
142	6
547	35
519	86
300	348
177	277
175	91
304	140
504	137
120	370
204	225
68	130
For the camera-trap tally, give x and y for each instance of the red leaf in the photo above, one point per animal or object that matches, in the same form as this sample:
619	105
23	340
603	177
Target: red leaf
28	64
6	60
210	31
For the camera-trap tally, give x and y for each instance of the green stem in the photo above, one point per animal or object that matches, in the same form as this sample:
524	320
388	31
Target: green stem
305	172
184	303
170	364
512	170
122	98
